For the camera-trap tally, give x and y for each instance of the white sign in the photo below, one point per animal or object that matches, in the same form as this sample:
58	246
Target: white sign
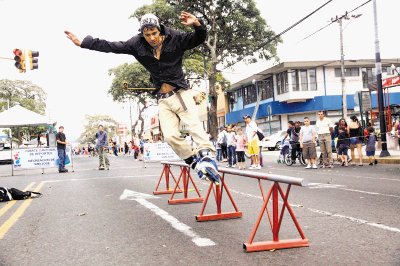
39	158
159	151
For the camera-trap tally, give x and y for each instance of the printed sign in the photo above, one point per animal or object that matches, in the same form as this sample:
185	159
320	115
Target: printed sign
159	151
39	158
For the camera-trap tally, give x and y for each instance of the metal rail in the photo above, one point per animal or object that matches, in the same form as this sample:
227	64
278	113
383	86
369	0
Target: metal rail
252	174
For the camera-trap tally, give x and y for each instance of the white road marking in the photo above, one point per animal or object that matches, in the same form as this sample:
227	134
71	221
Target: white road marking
97	178
175	223
343	187
359	221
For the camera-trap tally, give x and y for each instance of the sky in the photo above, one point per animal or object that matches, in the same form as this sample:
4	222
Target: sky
76	80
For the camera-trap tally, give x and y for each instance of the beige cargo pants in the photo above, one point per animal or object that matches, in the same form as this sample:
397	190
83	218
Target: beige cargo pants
171	113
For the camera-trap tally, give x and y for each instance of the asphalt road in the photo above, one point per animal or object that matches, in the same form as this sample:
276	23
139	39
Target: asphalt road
351	216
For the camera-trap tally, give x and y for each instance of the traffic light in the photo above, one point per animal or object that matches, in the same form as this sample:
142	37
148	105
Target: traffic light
19	60
33	59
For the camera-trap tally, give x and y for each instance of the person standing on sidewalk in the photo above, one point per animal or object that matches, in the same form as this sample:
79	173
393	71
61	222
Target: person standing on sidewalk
231	141
252	142
370	146
102	147
160	50
61	146
307	143
324	129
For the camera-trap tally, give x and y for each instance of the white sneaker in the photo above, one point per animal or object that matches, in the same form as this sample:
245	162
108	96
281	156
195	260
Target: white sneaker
258	167
233	166
314	166
308	166
252	167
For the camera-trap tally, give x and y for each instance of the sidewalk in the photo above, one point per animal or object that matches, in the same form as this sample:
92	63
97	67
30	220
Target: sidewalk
394	157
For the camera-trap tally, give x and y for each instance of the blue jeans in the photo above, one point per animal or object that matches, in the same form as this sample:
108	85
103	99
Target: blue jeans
61	158
219	155
231	155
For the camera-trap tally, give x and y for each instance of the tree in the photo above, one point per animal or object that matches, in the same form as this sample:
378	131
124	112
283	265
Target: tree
236	31
92	123
137	77
28	95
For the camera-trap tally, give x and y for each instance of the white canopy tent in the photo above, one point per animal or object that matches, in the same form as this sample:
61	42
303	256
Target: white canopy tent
18	116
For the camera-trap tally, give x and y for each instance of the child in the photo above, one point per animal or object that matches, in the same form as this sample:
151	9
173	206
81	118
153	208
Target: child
370	146
240	142
342	145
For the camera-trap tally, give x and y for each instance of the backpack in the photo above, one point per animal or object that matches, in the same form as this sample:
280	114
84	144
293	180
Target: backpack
7	194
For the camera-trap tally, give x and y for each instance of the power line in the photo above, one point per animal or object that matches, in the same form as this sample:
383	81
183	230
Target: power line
337	18
283	32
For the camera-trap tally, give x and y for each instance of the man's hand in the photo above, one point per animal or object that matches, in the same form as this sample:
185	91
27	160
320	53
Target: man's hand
73	38
188	19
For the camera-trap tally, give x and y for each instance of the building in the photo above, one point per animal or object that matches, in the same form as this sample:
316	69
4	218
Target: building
293	90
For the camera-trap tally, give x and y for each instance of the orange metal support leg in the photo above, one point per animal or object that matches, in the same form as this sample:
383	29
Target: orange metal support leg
186	178
276	243
166	171
218	200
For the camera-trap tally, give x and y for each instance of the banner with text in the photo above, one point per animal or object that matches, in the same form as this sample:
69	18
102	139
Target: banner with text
159	151
39	158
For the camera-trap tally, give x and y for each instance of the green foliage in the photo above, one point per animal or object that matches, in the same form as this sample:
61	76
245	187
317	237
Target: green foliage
135	75
92	123
24	93
28	95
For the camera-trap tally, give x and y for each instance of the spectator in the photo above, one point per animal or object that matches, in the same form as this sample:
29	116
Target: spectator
219	144
224	145
61	145
231	142
343	142
102	142
370	146
324	128
252	142
356	134
240	143
307	143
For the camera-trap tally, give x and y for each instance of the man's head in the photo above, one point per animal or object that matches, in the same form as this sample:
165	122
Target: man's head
297	124
290	124
306	121
61	129
321	114
247	119
150	28
100	128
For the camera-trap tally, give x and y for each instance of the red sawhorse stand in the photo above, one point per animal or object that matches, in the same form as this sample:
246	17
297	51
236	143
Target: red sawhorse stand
166	173
186	179
276	221
218	191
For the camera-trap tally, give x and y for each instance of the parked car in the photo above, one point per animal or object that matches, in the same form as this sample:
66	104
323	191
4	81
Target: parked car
273	142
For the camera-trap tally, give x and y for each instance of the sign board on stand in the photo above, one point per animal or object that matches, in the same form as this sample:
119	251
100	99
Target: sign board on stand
39	158
159	151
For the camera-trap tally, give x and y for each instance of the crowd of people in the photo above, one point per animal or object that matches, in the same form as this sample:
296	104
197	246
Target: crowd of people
342	136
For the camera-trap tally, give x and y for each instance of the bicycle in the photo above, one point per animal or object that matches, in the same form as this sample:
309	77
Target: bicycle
299	155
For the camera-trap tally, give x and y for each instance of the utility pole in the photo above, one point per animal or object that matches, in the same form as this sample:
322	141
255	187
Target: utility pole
342	74
378	69
339	19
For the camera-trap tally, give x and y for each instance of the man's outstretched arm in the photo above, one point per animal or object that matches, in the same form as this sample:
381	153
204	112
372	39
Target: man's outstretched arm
100	45
192	39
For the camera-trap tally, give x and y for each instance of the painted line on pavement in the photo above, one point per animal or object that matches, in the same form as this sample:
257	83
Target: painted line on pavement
359	221
141	198
96	178
333	174
17	214
343	187
13	202
356	220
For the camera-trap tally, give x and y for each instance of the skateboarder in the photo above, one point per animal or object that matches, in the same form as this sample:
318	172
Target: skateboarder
160	50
